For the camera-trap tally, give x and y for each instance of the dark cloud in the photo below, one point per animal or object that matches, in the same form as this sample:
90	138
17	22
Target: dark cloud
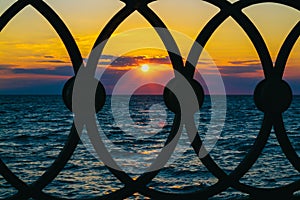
51	61
125	61
204	62
105	59
117	61
230	70
105	63
233	83
245	62
108	57
131	60
60	71
160	60
48	56
6	66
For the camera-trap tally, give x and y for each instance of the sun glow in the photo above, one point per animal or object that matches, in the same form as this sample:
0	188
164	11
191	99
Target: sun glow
145	68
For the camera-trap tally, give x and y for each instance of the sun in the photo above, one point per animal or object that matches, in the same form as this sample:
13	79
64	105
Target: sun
145	68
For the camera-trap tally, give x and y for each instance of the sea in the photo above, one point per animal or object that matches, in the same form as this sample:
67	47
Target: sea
33	130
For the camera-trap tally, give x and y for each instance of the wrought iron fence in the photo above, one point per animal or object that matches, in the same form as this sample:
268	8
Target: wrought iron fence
272	96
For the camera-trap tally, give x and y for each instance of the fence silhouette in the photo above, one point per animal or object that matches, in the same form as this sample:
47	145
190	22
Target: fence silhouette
272	96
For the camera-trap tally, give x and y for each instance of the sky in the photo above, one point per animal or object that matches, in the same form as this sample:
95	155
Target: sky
33	59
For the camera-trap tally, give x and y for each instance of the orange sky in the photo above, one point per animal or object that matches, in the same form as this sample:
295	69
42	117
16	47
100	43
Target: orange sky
34	60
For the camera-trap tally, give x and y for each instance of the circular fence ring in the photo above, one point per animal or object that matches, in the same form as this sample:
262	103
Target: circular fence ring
277	121
279	68
34	190
176	60
202	38
91	65
279	128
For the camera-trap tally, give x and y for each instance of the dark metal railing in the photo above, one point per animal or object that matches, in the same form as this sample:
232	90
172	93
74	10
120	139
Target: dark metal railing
272	96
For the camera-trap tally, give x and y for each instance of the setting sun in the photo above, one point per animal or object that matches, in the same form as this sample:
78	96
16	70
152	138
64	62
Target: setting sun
145	68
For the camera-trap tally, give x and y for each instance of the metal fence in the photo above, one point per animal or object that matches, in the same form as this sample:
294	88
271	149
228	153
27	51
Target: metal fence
272	96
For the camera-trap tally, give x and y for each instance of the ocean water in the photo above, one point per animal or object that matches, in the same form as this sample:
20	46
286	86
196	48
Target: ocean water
33	130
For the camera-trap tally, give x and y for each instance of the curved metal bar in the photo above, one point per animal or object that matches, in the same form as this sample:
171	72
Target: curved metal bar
11	12
105	34
286	49
63	32
166	37
285	143
201	40
112	25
